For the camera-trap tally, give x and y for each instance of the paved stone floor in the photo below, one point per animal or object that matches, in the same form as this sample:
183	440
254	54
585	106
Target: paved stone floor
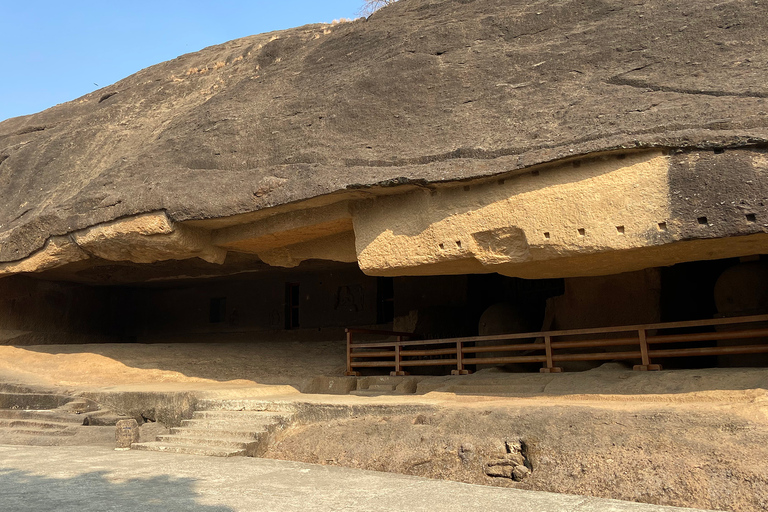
85	479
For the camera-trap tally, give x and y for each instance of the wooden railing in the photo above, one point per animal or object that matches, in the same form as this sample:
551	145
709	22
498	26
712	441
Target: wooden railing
633	342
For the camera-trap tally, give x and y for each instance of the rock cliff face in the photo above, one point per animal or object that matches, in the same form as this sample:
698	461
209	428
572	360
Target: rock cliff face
526	138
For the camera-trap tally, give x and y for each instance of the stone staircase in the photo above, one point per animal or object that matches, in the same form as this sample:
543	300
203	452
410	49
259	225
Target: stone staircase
28	417
15	423
376	390
223	428
386	385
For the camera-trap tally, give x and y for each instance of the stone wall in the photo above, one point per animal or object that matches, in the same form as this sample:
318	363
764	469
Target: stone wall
338	298
40	312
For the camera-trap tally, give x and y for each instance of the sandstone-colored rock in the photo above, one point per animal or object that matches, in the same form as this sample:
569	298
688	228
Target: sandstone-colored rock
493	226
148	238
520	472
339	247
605	216
513	446
466	452
285	229
126	433
499	471
515	459
58	251
468	149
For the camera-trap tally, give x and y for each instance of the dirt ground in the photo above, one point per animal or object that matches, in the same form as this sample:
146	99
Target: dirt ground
696	438
286	363
708	456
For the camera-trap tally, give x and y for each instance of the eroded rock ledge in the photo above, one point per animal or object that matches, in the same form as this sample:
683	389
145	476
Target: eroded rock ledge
605	214
422	93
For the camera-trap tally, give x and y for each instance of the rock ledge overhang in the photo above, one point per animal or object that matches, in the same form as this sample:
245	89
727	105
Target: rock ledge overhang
421	93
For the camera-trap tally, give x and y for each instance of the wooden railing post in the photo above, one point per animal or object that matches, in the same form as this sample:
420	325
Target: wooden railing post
398	368
646	365
350	372
460	361
550	368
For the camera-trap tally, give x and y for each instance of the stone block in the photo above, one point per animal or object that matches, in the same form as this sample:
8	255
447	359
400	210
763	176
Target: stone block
514	459
499	471
520	472
126	433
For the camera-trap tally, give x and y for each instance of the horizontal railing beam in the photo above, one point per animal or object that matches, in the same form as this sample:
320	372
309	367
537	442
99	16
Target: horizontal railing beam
429	352
614	342
428	362
502	348
356	330
596	356
709	336
387	353
408	343
372	364
505	360
709	351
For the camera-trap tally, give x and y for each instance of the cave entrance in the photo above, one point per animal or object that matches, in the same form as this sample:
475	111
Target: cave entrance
248	301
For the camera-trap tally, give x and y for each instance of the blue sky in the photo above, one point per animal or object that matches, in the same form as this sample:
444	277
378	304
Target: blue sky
55	51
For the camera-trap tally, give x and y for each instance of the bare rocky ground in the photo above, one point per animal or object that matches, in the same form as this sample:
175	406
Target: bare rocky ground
696	438
83	436
190	364
696	455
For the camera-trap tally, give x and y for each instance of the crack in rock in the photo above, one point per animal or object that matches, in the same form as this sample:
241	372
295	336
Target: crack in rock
642	84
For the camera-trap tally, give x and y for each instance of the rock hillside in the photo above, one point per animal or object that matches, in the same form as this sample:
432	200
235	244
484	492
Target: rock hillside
421	91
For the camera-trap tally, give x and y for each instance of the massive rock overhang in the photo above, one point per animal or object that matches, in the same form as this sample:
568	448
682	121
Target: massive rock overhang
534	140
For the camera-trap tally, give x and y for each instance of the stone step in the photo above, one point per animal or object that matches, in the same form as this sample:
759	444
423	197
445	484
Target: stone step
241	424
104	418
212	404
79	406
382	387
157	446
368	392
13	431
219	433
223	428
240	415
47	415
38	401
220	442
37	424
101	412
6	387
484	389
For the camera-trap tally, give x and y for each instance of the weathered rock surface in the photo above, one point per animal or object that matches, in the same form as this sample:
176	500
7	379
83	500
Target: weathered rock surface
126	433
704	457
420	92
513	464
